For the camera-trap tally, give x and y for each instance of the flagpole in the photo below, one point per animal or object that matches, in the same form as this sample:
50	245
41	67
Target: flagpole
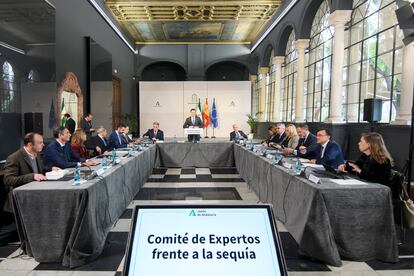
206	133
213	137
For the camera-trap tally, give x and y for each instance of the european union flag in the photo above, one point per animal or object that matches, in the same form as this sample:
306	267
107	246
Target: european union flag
214	120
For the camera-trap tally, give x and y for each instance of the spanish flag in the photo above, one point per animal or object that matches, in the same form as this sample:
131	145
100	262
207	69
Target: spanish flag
206	115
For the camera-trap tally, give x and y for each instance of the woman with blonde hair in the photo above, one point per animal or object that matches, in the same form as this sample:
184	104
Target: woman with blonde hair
78	143
375	162
292	138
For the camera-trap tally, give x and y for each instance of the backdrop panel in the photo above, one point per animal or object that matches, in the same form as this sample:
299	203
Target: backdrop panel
170	103
162	102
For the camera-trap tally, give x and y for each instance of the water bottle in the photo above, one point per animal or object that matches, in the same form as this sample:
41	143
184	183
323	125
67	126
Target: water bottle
113	158
298	166
277	157
104	163
76	176
175	139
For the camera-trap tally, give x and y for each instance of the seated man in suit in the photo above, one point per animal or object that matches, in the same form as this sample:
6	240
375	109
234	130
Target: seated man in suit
59	153
128	137
99	143
327	152
280	136
116	139
155	134
24	166
193	122
306	141
237	134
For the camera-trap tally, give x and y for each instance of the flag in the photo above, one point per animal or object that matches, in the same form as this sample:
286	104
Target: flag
214	120
52	116
62	117
198	109
206	115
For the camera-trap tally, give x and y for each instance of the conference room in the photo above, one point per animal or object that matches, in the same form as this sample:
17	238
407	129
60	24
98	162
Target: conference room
268	137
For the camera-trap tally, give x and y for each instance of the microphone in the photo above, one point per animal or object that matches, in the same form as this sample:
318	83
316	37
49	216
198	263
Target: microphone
92	175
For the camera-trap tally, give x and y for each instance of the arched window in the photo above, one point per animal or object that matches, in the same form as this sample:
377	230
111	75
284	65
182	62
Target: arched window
318	71
270	90
289	80
8	89
373	59
256	92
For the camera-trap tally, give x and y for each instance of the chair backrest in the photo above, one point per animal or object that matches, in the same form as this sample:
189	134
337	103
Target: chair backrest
396	183
3	194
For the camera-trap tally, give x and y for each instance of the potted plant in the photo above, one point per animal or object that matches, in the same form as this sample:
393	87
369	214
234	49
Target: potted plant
252	121
132	122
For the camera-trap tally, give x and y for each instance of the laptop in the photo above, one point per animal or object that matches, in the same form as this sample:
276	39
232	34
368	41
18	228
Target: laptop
204	240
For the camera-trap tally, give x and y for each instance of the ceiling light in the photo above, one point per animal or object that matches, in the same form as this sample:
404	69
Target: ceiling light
113	26
274	24
5	45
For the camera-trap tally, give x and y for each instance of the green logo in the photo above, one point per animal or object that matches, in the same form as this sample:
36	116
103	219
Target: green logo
192	213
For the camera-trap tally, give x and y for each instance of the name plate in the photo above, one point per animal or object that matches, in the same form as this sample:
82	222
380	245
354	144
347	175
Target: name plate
287	165
193	131
314	179
269	156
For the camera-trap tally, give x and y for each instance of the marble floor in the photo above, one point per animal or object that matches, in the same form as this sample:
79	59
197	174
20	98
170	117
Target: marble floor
198	186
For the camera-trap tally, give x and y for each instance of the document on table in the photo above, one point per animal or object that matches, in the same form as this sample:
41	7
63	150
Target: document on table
346	182
316	166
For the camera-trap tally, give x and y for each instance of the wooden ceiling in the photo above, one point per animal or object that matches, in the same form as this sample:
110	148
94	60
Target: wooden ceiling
209	21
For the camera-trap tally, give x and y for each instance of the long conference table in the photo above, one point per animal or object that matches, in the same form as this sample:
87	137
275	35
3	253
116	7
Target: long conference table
66	224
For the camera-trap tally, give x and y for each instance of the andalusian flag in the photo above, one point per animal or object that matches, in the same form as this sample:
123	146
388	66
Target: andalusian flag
206	115
214	120
198	109
62	108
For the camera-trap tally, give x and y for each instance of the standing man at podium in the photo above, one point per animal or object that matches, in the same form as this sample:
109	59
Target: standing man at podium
193	122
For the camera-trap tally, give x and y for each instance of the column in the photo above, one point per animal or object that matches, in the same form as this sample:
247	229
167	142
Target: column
262	96
407	86
278	61
253	79
337	19
300	45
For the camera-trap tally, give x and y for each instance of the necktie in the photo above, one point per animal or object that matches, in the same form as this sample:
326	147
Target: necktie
323	151
119	139
237	135
155	134
193	120
103	139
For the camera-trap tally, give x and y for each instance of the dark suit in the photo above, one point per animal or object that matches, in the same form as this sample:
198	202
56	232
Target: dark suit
70	125
61	157
197	122
97	141
86	126
18	171
150	133
117	141
332	156
308	142
233	135
280	139
126	138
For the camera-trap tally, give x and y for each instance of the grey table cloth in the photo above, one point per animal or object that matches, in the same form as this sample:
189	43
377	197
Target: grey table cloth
328	221
58	222
201	155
